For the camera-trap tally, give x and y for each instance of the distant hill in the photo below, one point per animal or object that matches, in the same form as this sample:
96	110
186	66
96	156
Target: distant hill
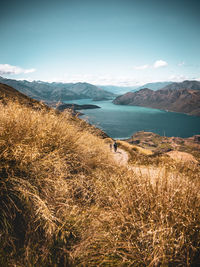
154	86
57	91
180	100
193	85
118	90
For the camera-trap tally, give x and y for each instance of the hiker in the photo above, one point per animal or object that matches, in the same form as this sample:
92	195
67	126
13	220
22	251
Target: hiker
115	146
110	147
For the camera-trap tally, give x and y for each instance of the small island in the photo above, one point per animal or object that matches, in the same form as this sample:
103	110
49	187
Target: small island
76	107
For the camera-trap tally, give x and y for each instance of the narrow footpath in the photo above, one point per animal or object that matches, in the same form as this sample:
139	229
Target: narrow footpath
154	173
121	157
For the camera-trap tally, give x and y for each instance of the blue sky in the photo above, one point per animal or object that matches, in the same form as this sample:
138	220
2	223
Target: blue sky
119	42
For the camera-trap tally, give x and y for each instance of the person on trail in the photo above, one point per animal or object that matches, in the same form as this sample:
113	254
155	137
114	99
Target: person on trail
110	147
115	146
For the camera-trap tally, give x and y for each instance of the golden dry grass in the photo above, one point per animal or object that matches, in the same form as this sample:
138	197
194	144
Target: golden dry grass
130	147
64	201
182	157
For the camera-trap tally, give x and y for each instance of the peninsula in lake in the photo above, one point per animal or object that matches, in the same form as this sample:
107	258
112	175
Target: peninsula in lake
177	97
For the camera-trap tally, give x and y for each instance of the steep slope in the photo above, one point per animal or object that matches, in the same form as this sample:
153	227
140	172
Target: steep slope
57	91
181	100
65	202
8	93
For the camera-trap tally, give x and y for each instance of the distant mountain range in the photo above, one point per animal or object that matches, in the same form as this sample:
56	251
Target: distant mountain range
178	97
154	86
118	90
193	85
58	91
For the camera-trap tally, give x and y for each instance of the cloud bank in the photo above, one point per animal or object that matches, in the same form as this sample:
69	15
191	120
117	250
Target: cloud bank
6	69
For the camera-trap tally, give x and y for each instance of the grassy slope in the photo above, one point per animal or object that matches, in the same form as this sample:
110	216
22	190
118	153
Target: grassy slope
64	201
8	92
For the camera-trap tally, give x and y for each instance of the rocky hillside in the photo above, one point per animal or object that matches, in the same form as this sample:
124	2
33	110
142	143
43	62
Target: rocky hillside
57	91
180	100
163	144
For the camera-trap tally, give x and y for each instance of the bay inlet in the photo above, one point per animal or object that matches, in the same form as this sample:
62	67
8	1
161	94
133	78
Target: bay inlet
120	121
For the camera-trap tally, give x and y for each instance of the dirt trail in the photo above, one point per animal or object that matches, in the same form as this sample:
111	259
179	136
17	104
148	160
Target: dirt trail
154	173
121	157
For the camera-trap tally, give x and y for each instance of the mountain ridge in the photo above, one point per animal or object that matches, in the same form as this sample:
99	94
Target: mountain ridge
57	91
177	100
187	84
154	86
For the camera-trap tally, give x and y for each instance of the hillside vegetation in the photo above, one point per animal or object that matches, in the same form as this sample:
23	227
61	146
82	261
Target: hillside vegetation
65	202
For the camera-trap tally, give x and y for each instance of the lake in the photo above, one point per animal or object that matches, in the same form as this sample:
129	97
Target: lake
120	121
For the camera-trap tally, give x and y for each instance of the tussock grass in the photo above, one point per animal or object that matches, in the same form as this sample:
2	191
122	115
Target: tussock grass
141	156
64	201
133	148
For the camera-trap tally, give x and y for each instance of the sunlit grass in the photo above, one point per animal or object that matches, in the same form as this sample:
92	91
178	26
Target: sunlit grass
131	147
65	202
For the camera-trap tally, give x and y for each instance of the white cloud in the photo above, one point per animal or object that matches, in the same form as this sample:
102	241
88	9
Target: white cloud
143	67
6	69
159	64
29	70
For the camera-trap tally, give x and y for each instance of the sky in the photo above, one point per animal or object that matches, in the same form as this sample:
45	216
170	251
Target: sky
103	42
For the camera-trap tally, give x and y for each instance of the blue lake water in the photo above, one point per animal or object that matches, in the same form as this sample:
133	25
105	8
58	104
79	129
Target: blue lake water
120	121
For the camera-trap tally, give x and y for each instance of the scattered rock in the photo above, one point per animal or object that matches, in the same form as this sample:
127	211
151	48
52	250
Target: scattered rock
197	138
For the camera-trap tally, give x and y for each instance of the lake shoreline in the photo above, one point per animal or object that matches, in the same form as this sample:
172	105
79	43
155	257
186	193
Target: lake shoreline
122	121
